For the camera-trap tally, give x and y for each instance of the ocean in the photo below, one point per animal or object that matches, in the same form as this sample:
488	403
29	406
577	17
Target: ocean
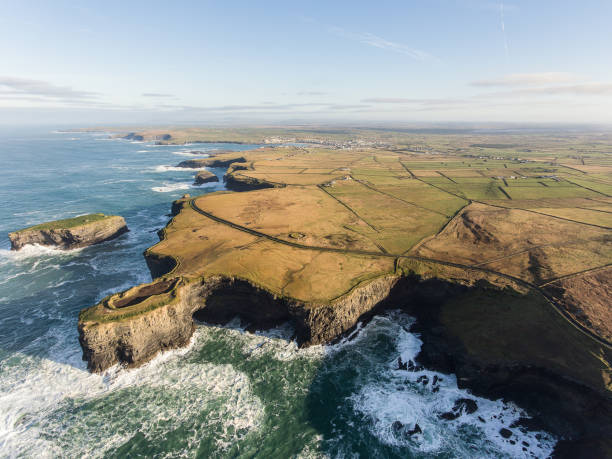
230	393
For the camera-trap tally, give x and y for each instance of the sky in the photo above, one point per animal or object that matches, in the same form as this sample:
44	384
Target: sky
231	61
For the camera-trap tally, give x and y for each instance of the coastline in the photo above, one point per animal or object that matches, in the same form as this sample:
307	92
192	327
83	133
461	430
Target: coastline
321	323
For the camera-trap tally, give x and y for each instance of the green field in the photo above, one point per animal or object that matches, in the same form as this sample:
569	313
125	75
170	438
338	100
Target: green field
66	223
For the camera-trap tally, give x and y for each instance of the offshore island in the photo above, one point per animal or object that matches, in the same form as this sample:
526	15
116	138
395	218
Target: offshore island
70	233
499	246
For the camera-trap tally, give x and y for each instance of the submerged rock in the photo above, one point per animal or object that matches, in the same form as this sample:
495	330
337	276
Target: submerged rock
466	405
415	430
449	416
397	426
70	233
462	405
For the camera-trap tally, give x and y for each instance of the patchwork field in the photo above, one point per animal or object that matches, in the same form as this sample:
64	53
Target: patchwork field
313	225
335	217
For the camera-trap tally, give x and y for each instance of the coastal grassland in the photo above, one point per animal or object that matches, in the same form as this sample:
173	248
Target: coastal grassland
415	192
530	246
144	298
599	183
543	189
205	248
67	223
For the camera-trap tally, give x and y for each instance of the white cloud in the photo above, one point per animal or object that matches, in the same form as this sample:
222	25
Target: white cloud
584	89
529	79
543	84
28	87
312	93
158	95
407	101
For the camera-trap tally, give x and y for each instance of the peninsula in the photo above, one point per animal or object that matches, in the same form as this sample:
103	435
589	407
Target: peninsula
71	233
490	248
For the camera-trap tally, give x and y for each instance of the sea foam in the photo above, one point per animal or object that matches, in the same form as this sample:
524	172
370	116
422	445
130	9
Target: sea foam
399	397
54	407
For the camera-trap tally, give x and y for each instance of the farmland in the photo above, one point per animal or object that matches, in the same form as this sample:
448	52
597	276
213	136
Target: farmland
328	232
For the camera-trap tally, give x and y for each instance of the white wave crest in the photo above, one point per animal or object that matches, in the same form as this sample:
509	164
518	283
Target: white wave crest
35	251
164	168
169	187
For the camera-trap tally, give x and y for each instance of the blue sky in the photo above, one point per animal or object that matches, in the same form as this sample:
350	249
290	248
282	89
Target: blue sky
274	61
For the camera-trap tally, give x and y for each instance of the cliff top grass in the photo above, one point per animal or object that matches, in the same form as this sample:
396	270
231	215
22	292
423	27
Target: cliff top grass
67	223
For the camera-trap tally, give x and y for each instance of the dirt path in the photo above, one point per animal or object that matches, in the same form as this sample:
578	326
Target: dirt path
576	274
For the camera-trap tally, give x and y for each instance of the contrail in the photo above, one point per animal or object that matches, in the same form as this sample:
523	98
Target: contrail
503	26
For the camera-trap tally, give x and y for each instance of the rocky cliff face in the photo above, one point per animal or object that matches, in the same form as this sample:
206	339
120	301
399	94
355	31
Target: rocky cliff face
163	314
73	237
135	340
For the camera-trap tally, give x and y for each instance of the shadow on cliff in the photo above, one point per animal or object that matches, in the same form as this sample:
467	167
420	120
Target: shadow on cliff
501	345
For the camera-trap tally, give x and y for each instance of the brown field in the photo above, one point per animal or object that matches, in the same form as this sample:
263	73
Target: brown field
529	246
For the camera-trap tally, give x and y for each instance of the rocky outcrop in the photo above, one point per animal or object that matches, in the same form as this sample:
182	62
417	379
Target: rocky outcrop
71	234
203	177
208	162
239	182
134	136
193	163
176	208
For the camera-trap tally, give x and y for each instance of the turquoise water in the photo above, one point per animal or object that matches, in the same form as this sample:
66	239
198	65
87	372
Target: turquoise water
229	393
